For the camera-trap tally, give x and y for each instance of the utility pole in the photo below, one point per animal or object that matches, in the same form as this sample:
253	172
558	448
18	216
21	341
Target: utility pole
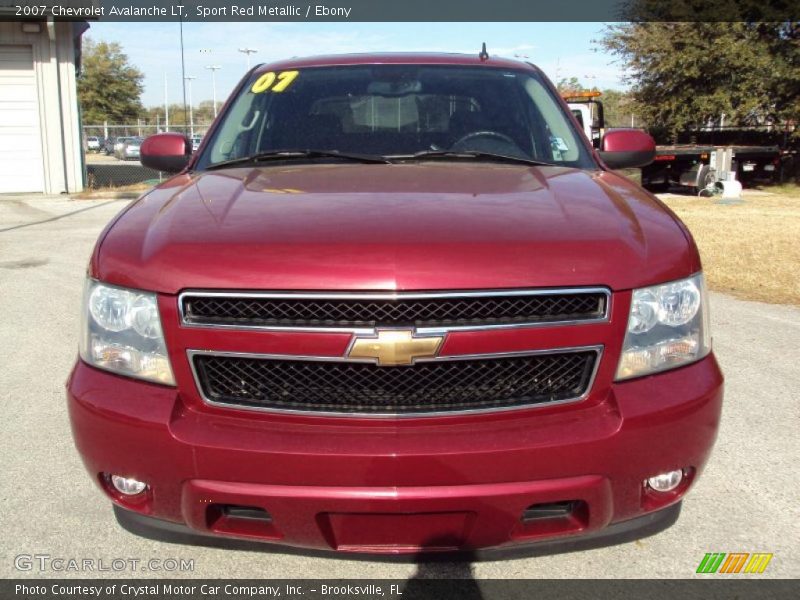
214	69
183	75
247	52
190	78
166	104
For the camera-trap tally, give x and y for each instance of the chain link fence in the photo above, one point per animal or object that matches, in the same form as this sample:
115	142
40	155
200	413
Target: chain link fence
112	153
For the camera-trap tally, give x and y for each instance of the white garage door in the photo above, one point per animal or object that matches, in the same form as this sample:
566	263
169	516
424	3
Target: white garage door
21	168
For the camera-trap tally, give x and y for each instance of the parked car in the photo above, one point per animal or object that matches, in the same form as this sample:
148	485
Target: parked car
129	149
396	303
108	145
196	141
119	143
93	143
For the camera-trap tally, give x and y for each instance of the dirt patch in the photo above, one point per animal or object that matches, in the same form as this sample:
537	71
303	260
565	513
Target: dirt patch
25	263
749	248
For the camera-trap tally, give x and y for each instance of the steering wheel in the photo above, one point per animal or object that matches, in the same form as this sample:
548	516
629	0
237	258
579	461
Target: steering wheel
488	134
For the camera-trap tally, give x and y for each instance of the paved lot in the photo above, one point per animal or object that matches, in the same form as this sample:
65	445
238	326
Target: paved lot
747	500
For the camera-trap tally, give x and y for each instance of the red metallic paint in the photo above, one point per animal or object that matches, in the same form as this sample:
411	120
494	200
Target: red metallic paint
395	485
491	466
627	148
168	152
628	140
395	227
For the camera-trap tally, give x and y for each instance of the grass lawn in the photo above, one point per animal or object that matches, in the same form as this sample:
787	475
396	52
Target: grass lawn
93	193
749	249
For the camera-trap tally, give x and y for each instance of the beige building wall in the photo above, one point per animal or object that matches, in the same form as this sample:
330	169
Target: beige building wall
54	69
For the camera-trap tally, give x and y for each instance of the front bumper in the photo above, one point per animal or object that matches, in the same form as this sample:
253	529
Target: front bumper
617	533
395	486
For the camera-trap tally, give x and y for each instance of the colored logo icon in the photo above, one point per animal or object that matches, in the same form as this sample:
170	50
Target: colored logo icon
734	562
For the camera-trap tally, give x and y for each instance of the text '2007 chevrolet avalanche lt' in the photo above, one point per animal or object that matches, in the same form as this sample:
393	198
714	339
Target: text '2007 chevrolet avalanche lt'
396	303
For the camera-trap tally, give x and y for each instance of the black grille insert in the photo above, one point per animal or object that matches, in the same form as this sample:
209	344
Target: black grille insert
365	312
365	388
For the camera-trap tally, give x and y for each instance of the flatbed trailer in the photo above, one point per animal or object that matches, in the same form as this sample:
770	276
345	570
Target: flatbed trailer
688	165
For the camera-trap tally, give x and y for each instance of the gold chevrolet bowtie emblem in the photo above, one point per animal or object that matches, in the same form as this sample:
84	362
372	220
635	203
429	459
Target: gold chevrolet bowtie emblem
395	347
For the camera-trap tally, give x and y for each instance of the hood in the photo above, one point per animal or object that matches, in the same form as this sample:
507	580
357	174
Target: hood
421	226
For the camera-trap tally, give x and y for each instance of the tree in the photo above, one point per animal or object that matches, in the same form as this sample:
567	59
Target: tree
617	108
204	112
109	88
689	75
567	86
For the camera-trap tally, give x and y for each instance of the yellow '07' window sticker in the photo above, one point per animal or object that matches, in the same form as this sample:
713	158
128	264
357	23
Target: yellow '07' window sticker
274	82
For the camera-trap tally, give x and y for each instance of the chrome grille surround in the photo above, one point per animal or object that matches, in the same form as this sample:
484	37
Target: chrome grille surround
422	326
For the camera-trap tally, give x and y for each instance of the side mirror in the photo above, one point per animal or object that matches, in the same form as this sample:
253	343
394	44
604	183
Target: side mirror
627	148
169	152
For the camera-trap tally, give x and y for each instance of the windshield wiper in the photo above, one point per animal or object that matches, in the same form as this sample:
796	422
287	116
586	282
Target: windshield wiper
471	155
298	154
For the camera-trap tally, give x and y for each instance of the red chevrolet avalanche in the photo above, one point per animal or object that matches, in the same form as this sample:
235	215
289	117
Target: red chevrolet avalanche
396	303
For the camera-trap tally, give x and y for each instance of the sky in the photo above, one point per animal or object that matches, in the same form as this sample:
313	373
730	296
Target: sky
560	49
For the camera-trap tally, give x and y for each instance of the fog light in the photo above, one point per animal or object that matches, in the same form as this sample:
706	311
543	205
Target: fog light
666	482
127	485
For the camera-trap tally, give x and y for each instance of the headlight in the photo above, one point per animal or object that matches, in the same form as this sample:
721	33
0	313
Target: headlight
667	328
121	332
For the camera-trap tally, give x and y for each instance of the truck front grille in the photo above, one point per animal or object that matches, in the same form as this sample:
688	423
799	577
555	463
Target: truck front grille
357	388
420	310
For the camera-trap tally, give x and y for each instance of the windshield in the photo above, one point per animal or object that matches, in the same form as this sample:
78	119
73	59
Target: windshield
397	111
